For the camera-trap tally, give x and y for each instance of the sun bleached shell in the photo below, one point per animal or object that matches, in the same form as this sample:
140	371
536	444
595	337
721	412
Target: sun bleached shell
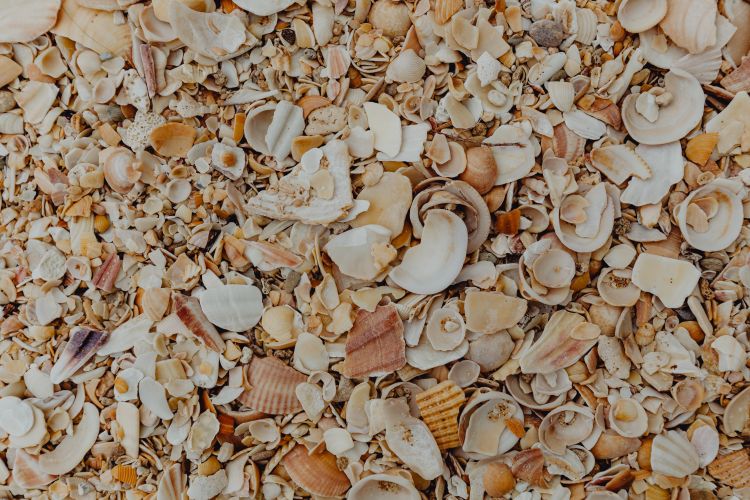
82	345
383	487
425	357
70	451
407	67
273	385
737	413
691	24
619	162
669	279
390	16
294	198
562	95
487	424
27	473
737	81
705	440
514	152
120	168
668	166
431	266
24	21
689	394
565	426
675	119
316	473
95	29
229	160
628	418
17	416
722	224
389	201
375	344
232	307
129	422
455	164
637	16
731	124
216	36
262	7
189	311
410	439
490	312
385	125
439	407
36	99
445	329
673	455
565	339
354	251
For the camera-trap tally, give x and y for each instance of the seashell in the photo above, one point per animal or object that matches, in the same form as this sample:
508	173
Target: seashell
95	29
384	124
700	147
216	36
628	418
562	95
125	474
675	118
23	22
410	439
129	423
439	407
592	233
154	29
584	124
486	424
172	483
120	169
236	308
481	169
610	446
691	24
172	138
322	23
82	345
565	426
498	479
432	265
153	396
229	160
310	354
36	99
721	225
106	275
316	473
705	440
669	279
444	10
508	222
390	16
666	162
273	385
689	394
26	471
565	339
491	351
73	448
490	312
619	162
440	152
637	16
554	269
528	465
263	8
356	251
732	469
406	67
383	487
737	414
445	329
375	344
737	81
730	134
547	33
155	302
17	416
188	310
616	287
673	455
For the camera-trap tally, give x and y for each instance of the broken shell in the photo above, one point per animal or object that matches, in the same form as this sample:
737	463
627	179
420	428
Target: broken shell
481	169
407	67
490	312
610	446
628	418
445	329
27	473
389	201
385	124
189	311
498	479
16	416
433	264
732	469
485	426
172	139
691	24
668	166
375	344
562	94
737	414
456	162
129	421
722	223
564	340
316	473
355	252
23	22
554	268
637	16
273	385
700	147
565	426
669	279
228	160
705	440
214	35
464	373
410	439
439	407
120	169
673	455
619	162
383	487
70	451
689	394
391	16
616	287
592	233
444	9
82	345
232	307
528	465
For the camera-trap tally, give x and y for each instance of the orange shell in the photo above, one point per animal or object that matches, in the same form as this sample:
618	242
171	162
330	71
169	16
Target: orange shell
318	473
124	474
439	407
732	469
375	344
273	387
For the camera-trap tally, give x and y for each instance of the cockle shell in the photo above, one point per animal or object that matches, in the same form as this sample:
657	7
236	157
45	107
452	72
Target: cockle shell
232	307
433	264
637	16
565	339
22	22
82	345
723	224
189	311
669	279
732	469
375	344
439	407
317	473
390	16
383	487
407	67
673	455
273	385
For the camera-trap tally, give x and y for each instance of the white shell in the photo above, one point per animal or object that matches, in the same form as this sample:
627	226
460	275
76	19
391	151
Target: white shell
723	227
667	166
669	279
673	455
129	421
484	433
445	329
70	451
407	67
637	16
236	308
264	7
310	354
16	416
411	440
386	127
353	250
383	487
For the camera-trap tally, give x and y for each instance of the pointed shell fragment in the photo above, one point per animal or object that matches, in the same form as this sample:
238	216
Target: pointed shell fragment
565	339
188	310
82	345
273	385
375	345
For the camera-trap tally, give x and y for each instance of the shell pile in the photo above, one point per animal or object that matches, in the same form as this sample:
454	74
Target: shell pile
375	249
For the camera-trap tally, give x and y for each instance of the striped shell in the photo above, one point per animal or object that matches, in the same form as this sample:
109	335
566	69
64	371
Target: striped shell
273	384
317	473
375	344
439	407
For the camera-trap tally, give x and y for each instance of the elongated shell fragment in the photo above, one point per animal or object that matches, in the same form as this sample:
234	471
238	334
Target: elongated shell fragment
82	345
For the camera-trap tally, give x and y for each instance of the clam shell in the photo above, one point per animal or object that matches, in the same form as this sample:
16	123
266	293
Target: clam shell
316	473
593	232
628	418
439	407
383	487
24	21
637	16
375	344
82	345
232	307
91	28
481	169
565	339
389	201
689	394
673	455
273	385
565	426
562	95
732	469
700	147
528	465
216	36
173	138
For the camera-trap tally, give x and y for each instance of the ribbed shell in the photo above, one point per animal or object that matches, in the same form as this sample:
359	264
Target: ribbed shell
273	384
375	344
732	469
439	407
188	309
317	473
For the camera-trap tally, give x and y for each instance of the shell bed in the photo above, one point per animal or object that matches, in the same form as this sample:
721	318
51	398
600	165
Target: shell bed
375	249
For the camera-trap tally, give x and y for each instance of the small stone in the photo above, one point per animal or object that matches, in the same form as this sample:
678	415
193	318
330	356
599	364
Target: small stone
547	33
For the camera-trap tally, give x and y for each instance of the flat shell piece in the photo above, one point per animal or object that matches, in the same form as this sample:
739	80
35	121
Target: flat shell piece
23	21
386	126
188	309
375	345
565	339
95	29
233	307
490	312
669	279
16	416
619	162
273	385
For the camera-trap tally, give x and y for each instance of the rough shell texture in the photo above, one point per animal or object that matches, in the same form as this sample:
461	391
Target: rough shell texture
375	344
273	387
439	407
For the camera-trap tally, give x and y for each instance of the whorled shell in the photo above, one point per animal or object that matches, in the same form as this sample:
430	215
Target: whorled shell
82	345
273	385
488	425
439	407
375	344
673	455
565	339
565	426
22	22
711	217
120	168
691	24
628	418
383	487
316	473
637	16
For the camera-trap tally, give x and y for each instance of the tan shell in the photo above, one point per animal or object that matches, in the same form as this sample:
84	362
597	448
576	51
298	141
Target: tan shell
273	385
689	394
565	426
189	311
391	16
445	329
691	24
444	9
611	445
628	418
95	29
120	168
637	16
24	21
215	35
565	339
481	169
592	233
737	414
498	479
724	221
732	469
375	344
316	473
487	424
490	312
27	473
439	407
173	139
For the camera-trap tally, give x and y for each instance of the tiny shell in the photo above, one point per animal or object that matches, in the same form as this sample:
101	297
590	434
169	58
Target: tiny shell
273	385
316	473
375	345
439	407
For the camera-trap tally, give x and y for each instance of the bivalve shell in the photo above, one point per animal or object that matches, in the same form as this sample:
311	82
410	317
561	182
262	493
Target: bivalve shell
375	345
316	473
673	455
273	385
439	407
732	469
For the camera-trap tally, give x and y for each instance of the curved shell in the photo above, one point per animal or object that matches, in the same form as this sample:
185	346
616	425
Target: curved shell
628	418
711	217
407	67
529	398
691	24
356	252
316	473
273	387
689	394
487	424
592	233
616	287
257	122
375	344
71	450
120	169
411	440
433	264
637	16
173	138
565	339
565	426
232	307
445	329
24	21
737	414
674	119
215	35
673	455
383	487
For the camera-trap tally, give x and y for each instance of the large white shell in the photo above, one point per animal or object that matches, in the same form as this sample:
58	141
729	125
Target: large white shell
386	127
353	251
671	280
673	455
406	67
667	167
411	440
565	426
593	233
24	21
70	451
637	16
232	307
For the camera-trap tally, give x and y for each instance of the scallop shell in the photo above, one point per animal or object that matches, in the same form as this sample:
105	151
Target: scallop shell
407	67
444	9
232	307
316	473
637	16
383	487
723	224
82	345
375	344
565	339
439	407
22	22
189	311
562	95
125	474
273	385
732	469
673	455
